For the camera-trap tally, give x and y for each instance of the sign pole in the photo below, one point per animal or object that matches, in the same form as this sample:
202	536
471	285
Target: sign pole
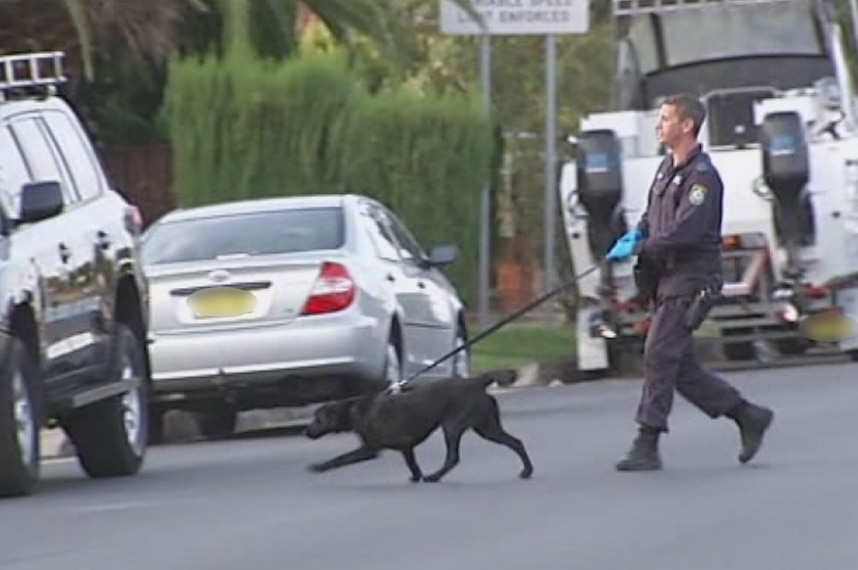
485	197
550	165
853	8
533	18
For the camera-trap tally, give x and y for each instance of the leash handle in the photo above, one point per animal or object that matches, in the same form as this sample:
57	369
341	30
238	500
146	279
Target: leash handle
503	322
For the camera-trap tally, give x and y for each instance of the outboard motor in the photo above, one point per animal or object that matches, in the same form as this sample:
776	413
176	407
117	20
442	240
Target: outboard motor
600	191
786	171
600	188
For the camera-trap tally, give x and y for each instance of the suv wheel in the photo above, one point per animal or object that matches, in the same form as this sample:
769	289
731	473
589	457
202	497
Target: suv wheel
110	435
219	421
19	423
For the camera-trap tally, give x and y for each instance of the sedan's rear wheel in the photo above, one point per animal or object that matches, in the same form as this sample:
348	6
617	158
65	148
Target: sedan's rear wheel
217	421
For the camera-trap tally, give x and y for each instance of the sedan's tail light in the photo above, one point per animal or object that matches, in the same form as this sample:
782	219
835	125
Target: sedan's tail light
133	220
334	290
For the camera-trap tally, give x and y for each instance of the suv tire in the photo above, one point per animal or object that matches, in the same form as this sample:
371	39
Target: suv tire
19	423
110	435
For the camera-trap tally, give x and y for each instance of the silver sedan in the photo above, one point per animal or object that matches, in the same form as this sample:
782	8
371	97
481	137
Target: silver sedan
291	301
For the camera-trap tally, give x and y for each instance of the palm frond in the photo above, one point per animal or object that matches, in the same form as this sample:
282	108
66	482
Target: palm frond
342	16
143	30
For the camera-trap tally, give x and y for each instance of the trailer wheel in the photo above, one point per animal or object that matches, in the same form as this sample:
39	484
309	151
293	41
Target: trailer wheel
739	351
743	350
625	357
791	346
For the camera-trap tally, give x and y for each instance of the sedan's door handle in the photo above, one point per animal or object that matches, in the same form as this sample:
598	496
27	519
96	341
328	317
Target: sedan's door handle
421	284
102	239
390	277
65	253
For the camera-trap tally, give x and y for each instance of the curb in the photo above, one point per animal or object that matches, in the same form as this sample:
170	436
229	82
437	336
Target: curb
180	427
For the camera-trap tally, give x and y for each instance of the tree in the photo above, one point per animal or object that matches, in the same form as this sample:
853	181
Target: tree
146	31
271	27
150	29
117	50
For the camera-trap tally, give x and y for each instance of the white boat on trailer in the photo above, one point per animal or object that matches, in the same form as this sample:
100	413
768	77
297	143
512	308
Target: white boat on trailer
781	128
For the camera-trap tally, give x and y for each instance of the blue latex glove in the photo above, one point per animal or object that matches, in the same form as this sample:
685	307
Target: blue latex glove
625	247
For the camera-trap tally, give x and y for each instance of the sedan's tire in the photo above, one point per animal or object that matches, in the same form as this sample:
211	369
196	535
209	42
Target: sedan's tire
19	423
218	421
156	426
110	435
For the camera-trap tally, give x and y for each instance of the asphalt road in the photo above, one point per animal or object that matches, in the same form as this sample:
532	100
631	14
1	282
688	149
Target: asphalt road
249	503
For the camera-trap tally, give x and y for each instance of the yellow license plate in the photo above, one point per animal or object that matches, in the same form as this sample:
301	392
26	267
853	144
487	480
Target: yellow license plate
221	302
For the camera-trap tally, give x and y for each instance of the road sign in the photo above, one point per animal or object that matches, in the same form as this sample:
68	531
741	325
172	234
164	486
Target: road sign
518	18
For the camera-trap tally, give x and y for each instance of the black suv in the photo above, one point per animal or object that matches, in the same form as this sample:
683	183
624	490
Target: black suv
73	299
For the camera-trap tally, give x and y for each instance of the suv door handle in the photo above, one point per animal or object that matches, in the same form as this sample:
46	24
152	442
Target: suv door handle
65	253
421	284
102	239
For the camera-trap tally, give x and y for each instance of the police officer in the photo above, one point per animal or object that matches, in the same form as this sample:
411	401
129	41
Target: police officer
678	241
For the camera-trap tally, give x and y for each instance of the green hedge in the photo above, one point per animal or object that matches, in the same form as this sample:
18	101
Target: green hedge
243	128
427	158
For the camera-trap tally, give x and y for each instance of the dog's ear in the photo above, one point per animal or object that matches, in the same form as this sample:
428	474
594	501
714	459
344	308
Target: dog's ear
324	413
504	377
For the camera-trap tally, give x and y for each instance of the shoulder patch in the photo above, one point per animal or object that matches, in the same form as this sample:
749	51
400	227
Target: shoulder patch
702	166
697	194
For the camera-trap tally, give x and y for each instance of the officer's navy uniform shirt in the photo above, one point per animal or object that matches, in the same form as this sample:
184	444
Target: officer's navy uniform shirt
682	224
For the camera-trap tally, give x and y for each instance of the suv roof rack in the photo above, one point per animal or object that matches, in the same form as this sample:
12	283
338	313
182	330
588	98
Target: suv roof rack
31	74
641	7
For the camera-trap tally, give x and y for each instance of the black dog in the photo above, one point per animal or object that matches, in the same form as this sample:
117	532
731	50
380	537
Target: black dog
404	420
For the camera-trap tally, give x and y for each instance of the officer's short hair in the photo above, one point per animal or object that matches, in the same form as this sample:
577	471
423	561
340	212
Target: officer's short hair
688	106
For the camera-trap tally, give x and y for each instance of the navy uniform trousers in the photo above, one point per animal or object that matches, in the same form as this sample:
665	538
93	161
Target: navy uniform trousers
670	363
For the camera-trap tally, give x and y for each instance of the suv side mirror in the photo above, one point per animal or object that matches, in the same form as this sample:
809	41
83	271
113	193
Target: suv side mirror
39	201
443	255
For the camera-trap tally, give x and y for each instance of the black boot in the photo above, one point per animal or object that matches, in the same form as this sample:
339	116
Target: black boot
753	421
643	455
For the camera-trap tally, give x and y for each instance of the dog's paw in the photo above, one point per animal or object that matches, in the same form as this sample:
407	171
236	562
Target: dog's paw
526	473
431	478
415	478
317	467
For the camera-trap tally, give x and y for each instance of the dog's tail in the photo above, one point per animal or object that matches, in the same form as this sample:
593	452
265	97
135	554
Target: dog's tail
502	378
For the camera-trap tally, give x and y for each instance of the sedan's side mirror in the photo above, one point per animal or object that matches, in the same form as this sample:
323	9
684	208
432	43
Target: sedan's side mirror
443	255
39	201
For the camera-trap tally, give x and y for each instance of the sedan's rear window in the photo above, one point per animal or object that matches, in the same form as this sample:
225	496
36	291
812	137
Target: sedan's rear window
258	233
